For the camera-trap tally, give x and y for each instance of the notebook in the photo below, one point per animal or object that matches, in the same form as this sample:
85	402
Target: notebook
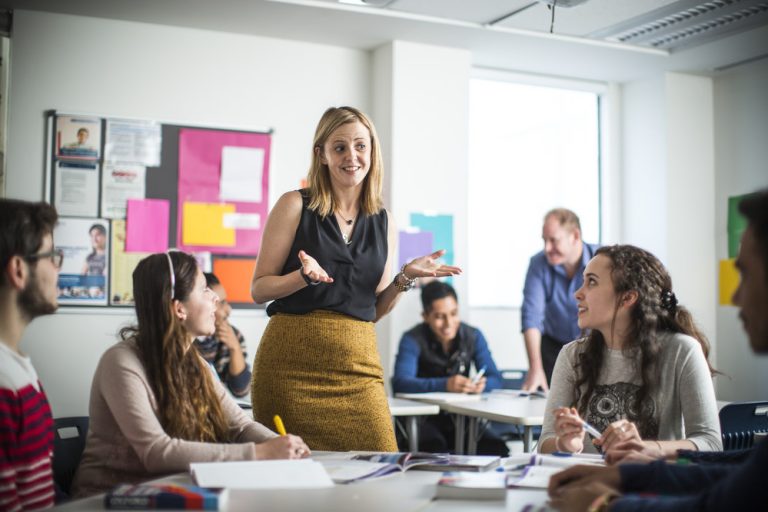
266	474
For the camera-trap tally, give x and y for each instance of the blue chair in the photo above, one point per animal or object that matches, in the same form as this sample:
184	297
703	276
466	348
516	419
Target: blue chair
739	421
68	444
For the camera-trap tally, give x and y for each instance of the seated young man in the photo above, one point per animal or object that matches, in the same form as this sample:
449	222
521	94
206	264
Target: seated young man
724	481
225	349
436	356
29	268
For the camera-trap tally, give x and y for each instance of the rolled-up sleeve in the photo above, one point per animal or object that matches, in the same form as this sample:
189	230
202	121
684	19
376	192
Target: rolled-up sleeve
534	296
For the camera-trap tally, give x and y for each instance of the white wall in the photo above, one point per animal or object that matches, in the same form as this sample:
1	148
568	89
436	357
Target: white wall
114	68
427	120
741	153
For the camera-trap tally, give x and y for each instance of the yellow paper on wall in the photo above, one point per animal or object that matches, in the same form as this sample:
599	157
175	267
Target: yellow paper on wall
729	281
204	225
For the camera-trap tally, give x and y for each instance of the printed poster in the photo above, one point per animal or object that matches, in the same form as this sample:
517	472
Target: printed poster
83	274
119	183
78	137
138	142
76	188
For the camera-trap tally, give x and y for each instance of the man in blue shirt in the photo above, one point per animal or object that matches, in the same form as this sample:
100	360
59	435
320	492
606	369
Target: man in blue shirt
436	355
549	309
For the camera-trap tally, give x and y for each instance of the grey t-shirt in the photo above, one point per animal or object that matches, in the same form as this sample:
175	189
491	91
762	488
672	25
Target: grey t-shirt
683	403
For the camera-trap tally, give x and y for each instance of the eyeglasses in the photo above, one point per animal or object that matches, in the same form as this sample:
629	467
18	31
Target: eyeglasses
172	274
55	255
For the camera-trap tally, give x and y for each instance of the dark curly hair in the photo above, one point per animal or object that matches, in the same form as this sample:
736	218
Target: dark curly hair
655	311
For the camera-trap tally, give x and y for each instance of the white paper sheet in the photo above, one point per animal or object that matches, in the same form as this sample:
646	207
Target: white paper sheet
268	474
242	220
241	172
120	182
77	189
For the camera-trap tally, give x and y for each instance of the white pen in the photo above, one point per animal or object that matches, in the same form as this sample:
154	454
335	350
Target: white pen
591	430
478	375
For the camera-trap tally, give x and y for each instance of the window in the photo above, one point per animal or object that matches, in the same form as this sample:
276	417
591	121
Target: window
531	148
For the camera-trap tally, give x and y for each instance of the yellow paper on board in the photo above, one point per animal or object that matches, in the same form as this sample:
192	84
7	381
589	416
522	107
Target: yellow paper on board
729	281
203	224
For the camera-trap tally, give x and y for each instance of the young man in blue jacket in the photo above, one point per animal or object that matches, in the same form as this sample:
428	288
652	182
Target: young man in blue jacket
436	355
719	482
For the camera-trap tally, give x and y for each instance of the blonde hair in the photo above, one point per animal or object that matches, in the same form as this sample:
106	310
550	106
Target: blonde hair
321	198
565	217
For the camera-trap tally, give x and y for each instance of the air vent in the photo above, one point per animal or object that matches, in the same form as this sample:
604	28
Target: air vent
685	24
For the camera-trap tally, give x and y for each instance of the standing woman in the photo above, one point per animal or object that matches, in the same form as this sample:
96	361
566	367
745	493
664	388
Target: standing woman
155	406
326	261
641	376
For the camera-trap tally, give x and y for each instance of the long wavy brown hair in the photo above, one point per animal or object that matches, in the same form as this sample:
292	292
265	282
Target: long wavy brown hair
656	311
187	405
321	199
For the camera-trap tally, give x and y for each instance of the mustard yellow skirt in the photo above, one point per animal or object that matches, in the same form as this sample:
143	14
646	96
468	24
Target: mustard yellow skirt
322	374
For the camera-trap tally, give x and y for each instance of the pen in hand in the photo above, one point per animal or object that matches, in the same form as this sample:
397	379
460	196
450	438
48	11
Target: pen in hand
279	425
478	375
591	430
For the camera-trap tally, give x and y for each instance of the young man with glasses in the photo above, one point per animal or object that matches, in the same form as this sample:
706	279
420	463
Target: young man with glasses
29	268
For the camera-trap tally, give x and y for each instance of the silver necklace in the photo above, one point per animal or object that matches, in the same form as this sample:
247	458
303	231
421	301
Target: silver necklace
346	237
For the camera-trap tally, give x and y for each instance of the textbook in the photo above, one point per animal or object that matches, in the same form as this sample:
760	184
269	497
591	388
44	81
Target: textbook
348	468
407	460
164	496
461	485
559	460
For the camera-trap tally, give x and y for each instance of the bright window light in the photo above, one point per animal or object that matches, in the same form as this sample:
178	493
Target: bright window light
531	149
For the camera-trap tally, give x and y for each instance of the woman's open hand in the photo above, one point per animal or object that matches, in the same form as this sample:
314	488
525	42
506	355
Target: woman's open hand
312	269
429	266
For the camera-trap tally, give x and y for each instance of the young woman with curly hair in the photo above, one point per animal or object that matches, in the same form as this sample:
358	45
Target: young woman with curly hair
155	406
640	376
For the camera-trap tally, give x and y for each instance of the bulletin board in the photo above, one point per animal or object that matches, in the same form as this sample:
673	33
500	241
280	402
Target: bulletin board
153	186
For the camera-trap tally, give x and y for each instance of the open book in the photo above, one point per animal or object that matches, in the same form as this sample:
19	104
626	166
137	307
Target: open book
559	460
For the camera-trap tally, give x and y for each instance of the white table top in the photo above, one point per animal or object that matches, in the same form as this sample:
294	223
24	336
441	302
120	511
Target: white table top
441	397
403	492
505	409
403	407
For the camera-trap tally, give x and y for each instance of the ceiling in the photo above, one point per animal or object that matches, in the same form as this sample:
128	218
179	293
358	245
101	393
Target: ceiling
602	40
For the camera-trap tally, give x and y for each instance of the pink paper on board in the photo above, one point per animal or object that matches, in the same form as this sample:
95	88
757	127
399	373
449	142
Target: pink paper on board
146	228
199	177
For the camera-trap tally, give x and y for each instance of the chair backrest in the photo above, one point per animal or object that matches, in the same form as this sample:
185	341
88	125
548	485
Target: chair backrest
512	379
68	444
740	420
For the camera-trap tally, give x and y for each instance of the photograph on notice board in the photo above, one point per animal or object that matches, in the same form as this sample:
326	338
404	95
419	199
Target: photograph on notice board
76	188
83	274
78	137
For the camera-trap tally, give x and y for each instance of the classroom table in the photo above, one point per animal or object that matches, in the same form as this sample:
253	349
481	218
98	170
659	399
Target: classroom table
410	491
502	406
527	411
410	410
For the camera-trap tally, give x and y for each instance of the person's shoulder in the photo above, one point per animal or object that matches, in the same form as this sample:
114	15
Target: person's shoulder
292	200
124	353
412	333
471	329
575	347
678	342
538	261
16	373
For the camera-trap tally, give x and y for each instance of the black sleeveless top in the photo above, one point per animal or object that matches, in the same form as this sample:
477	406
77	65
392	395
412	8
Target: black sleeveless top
356	268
